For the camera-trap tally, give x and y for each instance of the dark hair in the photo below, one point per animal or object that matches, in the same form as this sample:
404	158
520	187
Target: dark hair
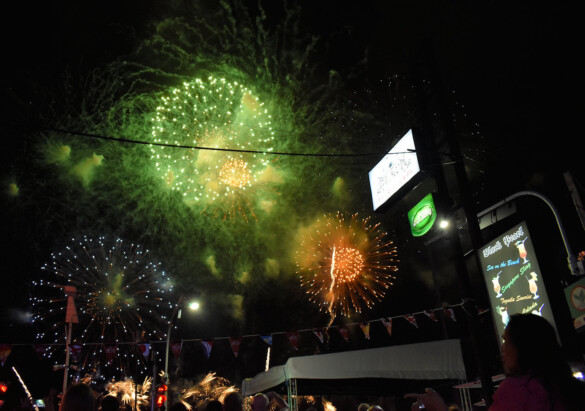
214	405
540	354
233	402
110	403
79	397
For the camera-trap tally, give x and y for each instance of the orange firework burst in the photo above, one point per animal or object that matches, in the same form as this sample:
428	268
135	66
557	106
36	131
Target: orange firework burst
345	264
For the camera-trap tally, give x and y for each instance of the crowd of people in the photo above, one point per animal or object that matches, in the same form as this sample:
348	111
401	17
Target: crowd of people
538	378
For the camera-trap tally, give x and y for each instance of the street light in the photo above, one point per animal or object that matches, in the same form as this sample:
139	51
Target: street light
193	306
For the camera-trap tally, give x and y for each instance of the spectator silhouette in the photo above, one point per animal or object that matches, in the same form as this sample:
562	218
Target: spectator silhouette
79	397
537	374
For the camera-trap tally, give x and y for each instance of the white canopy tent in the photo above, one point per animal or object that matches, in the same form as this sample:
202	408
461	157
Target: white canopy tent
423	361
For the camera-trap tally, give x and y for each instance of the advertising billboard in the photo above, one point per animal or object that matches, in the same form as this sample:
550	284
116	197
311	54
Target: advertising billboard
394	171
422	216
513	277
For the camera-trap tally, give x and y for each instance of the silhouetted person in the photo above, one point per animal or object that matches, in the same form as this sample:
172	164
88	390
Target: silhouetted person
214	405
110	403
79	397
537	374
233	402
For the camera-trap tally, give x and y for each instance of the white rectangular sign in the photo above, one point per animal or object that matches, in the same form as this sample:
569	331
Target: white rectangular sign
396	169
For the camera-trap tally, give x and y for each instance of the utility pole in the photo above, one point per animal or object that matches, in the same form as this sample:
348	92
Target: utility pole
445	203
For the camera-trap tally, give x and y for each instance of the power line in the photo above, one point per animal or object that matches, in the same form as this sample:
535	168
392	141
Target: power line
281	153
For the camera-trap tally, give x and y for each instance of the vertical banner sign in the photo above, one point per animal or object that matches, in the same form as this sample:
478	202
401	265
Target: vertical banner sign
513	277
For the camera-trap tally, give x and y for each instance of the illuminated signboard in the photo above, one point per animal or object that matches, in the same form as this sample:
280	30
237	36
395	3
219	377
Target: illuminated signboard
513	277
422	216
396	169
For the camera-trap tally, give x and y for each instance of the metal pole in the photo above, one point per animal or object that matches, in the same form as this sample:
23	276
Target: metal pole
66	369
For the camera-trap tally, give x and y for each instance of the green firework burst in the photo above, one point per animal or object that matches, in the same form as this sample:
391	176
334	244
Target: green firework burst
225	121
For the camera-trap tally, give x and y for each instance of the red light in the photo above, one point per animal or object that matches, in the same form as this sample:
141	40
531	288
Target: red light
162	388
3	387
160	400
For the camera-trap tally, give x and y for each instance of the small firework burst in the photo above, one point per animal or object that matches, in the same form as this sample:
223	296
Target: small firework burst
129	393
210	388
345	264
120	296
226	121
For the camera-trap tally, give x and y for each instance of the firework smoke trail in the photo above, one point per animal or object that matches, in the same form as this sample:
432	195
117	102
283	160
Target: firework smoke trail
122	298
217	115
345	264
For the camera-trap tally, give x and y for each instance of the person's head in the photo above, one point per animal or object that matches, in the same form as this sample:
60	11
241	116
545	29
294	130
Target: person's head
110	403
178	406
363	406
375	408
233	402
530	345
79	397
260	402
214	405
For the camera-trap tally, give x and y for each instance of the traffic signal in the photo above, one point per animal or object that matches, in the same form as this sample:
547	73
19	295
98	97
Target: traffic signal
161	395
3	389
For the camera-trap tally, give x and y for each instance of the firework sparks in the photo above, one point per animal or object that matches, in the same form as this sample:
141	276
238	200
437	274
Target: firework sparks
121	298
129	393
211	387
345	264
219	116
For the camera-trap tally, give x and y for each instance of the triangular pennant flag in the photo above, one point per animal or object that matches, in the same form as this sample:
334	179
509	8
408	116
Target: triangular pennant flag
207	346
235	344
40	349
320	334
144	349
431	315
71	313
110	350
343	330
176	348
267	339
450	313
366	329
5	350
388	324
293	337
74	350
411	319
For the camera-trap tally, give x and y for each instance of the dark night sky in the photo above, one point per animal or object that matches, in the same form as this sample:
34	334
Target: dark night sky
501	64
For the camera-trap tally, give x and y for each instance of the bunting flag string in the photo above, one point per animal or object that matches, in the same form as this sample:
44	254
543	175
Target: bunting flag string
344	331
293	336
320	334
366	329
144	349
431	315
176	347
388	324
235	344
207	346
411	319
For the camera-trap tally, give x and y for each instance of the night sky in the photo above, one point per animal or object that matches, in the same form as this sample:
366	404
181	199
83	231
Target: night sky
338	78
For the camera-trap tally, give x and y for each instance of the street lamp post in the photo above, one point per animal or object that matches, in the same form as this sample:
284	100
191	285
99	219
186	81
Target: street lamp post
193	306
